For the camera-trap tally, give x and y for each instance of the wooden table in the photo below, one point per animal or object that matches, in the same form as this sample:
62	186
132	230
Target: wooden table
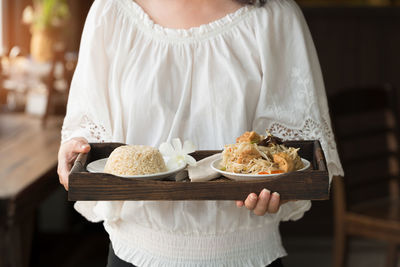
28	163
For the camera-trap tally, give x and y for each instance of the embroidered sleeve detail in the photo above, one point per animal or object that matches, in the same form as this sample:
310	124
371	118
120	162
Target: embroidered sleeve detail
310	130
88	129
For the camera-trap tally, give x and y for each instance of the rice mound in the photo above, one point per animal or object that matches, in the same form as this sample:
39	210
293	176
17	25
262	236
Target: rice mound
135	160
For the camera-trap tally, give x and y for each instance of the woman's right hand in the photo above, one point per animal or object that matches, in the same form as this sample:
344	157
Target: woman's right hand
67	154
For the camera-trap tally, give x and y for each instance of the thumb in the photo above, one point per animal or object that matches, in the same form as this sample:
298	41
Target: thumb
81	146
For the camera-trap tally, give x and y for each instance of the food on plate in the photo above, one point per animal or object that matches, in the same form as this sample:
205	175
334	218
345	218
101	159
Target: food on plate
257	154
284	161
135	160
249	137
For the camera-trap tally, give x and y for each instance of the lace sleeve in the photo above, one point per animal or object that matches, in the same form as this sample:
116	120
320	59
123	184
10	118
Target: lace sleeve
89	113
292	102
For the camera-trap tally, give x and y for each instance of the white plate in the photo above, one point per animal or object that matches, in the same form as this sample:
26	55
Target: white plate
247	177
98	166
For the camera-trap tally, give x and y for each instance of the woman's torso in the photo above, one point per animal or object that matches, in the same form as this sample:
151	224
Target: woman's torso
204	89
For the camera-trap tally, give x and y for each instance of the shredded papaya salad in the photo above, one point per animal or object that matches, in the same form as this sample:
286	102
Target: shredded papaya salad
254	154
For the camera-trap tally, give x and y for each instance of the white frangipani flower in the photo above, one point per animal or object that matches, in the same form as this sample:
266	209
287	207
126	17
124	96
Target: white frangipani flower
177	155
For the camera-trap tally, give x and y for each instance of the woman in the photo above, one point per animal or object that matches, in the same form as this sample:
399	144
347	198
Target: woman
206	71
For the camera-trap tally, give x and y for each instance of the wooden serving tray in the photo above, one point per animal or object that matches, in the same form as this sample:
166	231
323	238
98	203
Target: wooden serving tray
312	184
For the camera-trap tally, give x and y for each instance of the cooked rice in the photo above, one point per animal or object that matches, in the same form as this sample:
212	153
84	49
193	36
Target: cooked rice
135	160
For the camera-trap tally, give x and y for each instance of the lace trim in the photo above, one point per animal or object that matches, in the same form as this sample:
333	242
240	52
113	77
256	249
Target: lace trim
202	32
316	131
310	130
91	131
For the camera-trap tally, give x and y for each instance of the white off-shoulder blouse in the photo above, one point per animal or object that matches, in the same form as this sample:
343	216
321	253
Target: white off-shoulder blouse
140	83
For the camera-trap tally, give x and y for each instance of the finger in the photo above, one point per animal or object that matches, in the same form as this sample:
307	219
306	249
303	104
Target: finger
262	203
80	145
71	150
251	201
239	203
67	154
273	205
63	168
65	184
63	173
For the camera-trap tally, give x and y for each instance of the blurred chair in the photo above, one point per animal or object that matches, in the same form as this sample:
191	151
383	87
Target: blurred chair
68	63
366	201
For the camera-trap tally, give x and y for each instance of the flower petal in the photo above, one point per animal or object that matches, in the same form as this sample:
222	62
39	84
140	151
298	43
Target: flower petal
176	142
166	149
190	160
188	147
172	164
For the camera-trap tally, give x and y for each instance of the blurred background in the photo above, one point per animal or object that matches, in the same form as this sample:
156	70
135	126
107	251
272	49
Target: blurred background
358	43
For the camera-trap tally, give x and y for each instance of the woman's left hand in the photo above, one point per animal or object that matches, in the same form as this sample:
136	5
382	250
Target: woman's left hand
266	202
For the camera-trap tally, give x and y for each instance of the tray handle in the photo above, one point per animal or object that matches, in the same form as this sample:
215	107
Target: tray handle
80	162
